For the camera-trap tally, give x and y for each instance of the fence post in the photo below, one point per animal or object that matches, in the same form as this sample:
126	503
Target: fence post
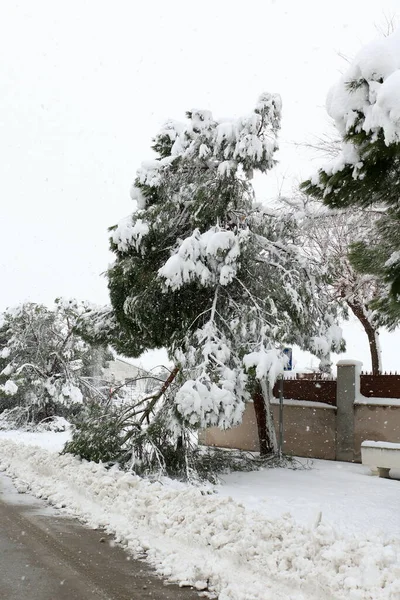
347	390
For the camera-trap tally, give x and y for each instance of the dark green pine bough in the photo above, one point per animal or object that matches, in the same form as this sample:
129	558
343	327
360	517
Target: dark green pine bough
367	172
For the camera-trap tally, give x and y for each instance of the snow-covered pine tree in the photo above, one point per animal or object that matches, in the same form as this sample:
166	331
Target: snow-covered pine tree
44	363
202	270
365	107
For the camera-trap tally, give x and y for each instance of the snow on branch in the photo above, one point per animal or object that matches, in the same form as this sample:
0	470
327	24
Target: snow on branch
210	258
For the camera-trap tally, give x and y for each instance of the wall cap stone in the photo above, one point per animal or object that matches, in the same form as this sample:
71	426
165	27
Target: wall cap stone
370	401
303	403
349	363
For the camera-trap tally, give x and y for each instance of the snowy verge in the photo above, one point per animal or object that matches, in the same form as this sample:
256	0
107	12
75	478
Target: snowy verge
201	539
54	441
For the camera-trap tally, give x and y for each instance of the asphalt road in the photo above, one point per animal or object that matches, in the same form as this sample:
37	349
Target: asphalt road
45	556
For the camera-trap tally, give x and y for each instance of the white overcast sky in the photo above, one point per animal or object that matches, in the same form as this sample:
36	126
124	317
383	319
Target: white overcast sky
85	84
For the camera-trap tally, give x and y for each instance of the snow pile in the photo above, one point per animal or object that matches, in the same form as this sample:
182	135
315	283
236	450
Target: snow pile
208	541
53	440
55	424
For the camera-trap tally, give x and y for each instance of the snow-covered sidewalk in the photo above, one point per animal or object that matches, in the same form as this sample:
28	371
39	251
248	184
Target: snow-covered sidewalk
207	539
347	496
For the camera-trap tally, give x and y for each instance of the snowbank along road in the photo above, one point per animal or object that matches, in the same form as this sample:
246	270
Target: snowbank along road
207	541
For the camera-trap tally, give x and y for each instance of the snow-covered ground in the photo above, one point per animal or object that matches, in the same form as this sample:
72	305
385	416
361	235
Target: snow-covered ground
339	538
50	440
347	495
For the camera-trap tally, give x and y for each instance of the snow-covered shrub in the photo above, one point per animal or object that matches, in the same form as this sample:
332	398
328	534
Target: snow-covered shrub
45	365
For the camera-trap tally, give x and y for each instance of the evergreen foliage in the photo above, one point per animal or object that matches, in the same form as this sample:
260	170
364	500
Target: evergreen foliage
203	270
97	435
366	172
105	433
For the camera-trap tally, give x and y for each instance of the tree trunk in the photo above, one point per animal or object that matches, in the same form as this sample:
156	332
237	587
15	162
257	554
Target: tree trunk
325	364
372	333
265	435
267	392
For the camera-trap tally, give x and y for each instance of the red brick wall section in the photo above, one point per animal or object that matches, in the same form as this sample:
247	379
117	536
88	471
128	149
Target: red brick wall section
380	386
317	390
